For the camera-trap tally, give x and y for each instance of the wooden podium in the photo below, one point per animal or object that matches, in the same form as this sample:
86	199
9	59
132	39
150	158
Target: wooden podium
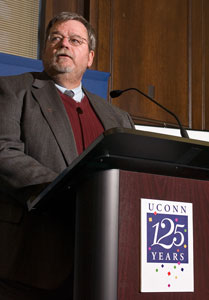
111	176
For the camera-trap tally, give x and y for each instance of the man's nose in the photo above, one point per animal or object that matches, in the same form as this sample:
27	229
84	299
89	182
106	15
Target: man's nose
65	42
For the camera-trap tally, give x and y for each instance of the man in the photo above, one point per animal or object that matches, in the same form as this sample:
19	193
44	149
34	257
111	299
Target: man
42	130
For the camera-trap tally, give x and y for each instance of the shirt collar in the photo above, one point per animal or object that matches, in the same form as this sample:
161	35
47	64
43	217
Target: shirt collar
78	92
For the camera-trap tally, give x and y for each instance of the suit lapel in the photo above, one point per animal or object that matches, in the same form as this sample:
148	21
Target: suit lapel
54	111
104	111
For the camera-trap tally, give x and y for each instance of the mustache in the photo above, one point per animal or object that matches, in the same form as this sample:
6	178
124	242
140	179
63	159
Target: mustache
63	52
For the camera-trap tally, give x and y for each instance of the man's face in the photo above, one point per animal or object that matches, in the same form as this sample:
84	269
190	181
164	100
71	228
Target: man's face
62	55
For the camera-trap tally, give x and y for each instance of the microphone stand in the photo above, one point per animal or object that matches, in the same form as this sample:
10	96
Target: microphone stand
117	93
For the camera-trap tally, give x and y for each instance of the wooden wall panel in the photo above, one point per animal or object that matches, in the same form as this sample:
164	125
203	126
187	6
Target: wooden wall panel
101	19
161	44
197	64
158	46
152	52
206	65
53	7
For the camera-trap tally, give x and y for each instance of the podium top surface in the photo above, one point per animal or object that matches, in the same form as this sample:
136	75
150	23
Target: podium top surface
137	151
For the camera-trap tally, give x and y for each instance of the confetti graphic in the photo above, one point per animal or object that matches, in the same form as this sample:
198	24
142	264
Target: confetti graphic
164	273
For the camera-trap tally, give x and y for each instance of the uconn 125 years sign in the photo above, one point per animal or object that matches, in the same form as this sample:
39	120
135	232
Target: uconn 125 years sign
166	246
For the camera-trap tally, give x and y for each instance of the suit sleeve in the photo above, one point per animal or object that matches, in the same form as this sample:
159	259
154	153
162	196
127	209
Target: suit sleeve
20	175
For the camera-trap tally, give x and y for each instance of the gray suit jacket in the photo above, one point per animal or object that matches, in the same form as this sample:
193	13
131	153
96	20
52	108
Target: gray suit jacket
36	144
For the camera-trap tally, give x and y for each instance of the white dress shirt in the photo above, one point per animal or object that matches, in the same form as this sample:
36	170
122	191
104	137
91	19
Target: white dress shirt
78	92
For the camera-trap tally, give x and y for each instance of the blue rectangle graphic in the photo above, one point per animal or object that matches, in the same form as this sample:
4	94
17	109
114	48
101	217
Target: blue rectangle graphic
167	238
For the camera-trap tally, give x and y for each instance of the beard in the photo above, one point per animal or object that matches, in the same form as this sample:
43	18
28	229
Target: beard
59	68
55	65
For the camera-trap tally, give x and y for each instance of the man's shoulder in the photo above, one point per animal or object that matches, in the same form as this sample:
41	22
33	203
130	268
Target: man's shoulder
19	81
21	78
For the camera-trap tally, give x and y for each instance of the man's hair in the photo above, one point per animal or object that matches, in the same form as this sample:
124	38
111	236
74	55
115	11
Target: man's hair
66	16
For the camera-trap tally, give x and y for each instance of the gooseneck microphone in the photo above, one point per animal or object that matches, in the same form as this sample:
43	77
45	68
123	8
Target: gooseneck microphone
117	93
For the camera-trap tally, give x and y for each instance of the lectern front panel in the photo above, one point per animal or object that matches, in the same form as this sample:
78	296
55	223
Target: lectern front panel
133	187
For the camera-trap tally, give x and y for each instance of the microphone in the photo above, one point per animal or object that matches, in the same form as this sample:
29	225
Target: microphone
117	93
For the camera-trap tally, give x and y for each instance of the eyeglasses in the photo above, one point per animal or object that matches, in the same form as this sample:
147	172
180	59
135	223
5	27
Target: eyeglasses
74	40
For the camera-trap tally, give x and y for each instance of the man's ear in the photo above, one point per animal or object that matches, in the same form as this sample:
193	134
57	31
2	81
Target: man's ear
91	58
